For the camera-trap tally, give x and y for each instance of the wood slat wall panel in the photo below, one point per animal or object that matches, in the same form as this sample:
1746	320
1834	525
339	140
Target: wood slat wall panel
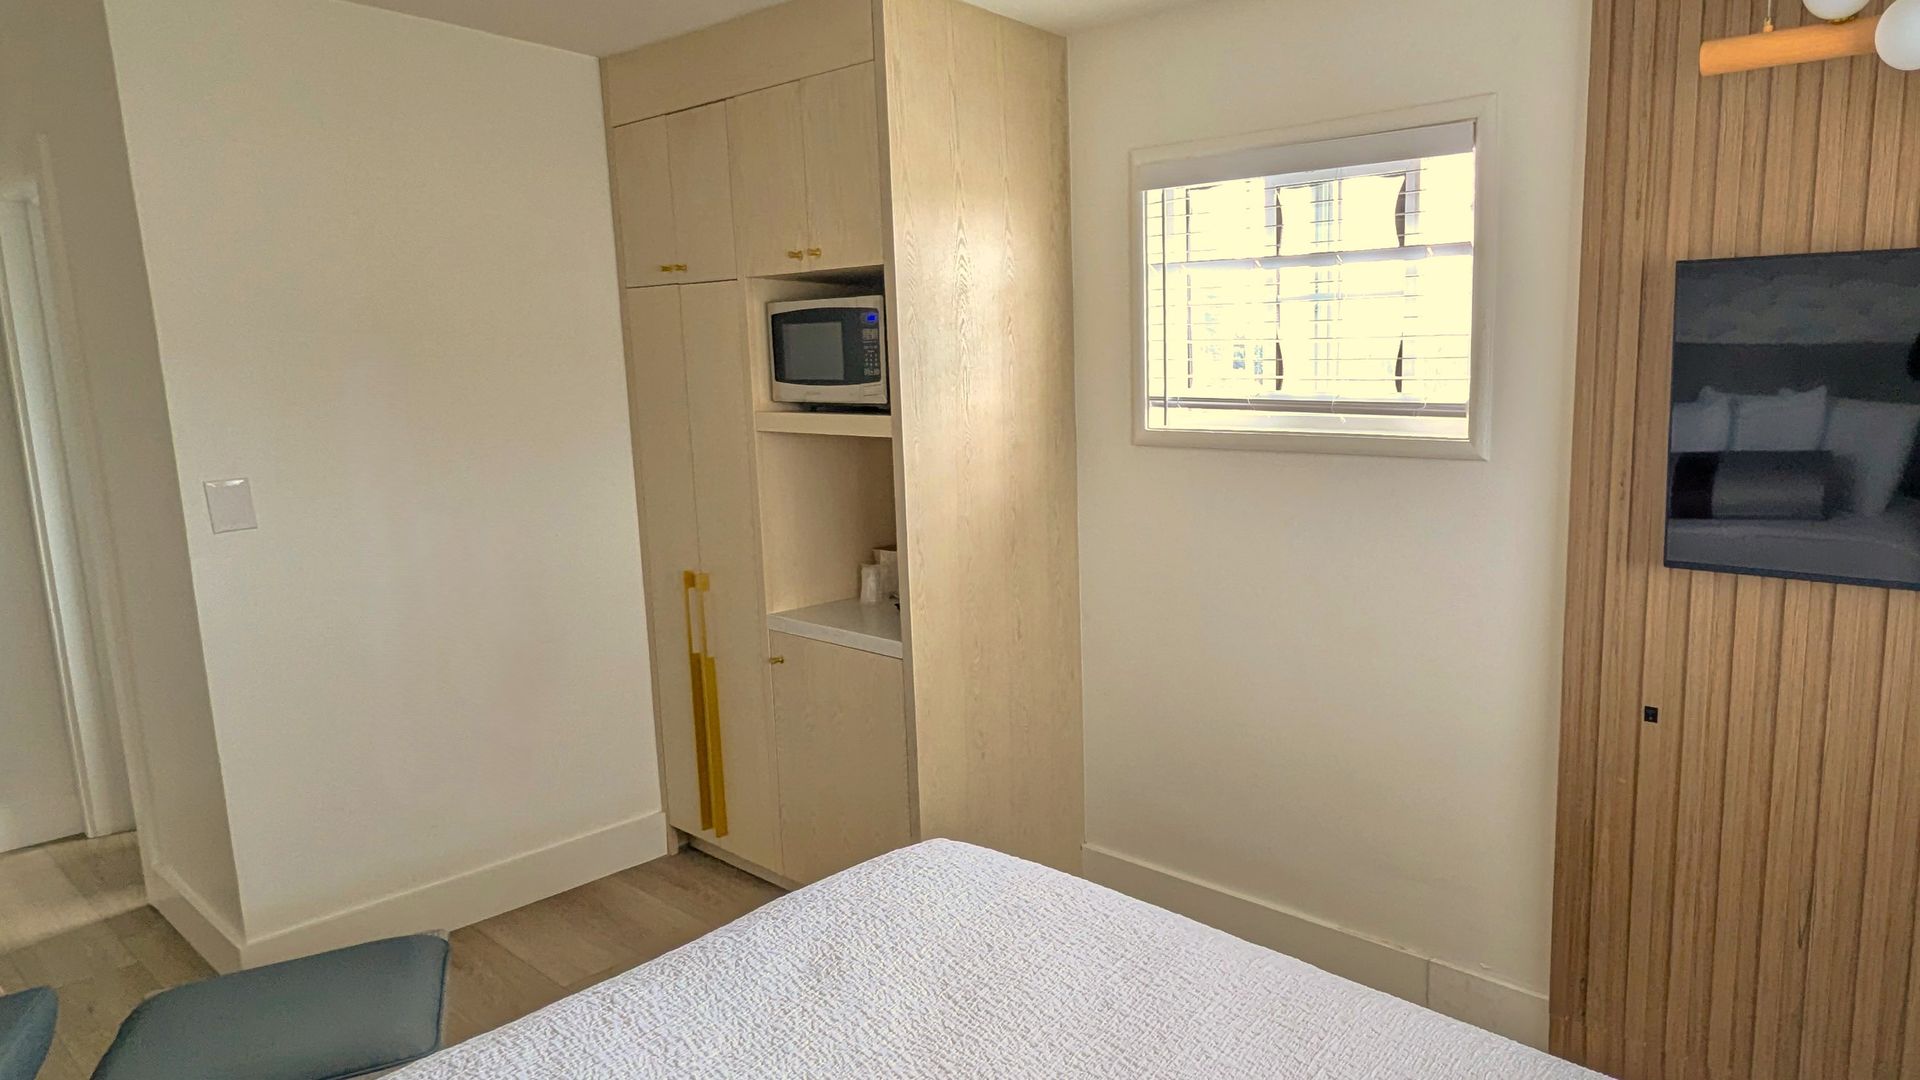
1737	886
1886	931
1580	689
1622	215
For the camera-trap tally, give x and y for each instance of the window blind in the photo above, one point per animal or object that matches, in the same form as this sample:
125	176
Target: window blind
1330	287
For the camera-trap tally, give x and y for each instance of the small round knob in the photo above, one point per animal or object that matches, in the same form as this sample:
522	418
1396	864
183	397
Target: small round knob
776	659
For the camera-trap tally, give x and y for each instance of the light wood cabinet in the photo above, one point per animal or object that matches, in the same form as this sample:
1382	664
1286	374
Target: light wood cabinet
672	184
643	198
839	120
806	174
663	468
840	735
693	437
698	153
973	729
769	181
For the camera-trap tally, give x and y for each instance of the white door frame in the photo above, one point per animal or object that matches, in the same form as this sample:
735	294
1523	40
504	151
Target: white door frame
39	341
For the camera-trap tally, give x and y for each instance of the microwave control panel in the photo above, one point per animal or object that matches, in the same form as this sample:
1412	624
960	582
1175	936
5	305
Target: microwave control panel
870	345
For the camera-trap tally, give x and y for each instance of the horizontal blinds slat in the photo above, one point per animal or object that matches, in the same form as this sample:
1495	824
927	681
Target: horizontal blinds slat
1328	258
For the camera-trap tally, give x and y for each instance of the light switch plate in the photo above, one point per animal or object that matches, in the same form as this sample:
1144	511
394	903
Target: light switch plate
230	505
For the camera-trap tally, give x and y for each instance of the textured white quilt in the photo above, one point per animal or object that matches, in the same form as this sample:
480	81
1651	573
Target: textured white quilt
945	960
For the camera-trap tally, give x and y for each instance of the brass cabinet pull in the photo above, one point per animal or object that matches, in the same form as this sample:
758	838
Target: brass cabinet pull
698	670
796	253
716	759
681	267
815	252
776	659
666	268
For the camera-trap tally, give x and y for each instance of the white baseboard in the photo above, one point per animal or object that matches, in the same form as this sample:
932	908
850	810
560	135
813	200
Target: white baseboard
218	941
469	897
1476	998
451	902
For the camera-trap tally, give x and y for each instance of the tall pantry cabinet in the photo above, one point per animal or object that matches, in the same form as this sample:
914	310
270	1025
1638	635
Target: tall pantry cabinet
914	148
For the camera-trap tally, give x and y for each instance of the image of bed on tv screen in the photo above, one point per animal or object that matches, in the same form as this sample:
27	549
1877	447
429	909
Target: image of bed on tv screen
1796	397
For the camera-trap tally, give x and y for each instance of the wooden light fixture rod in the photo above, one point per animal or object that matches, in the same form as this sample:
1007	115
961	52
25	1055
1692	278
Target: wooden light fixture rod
1776	48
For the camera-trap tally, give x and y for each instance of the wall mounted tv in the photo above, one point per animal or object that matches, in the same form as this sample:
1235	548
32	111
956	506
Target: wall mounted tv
1796	396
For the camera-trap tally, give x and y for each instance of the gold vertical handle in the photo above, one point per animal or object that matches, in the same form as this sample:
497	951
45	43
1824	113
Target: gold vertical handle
716	759
697	668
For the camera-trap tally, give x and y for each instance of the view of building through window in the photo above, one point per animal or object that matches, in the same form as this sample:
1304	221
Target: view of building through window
1336	300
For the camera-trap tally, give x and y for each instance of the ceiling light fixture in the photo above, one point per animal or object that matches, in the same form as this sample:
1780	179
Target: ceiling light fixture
1835	11
1897	37
1842	33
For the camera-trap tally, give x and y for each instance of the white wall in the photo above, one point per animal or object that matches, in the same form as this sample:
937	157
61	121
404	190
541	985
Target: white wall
382	268
1329	684
57	81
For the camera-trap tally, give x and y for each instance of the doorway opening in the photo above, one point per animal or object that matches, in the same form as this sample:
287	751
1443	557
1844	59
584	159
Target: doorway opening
62	764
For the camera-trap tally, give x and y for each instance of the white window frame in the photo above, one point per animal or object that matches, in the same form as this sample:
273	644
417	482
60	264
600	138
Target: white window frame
1477	444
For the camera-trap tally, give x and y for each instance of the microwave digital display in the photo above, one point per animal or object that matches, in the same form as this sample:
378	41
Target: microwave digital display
829	352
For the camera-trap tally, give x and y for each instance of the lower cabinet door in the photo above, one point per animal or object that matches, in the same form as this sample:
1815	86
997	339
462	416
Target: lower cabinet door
670	544
733	603
840	735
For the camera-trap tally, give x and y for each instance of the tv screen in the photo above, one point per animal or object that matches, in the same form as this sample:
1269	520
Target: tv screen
1796	396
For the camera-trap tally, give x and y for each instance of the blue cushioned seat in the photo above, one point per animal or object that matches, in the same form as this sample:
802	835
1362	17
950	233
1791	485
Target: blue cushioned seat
26	1032
339	1014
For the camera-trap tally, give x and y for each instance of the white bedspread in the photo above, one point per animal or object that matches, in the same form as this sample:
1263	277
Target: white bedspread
944	960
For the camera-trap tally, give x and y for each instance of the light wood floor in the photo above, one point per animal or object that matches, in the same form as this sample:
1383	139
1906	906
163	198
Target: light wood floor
73	916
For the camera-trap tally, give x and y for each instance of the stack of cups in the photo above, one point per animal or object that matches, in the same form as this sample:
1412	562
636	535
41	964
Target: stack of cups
880	579
888	560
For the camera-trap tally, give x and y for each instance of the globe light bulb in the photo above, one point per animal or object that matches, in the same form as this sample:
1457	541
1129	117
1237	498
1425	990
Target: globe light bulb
1835	10
1897	38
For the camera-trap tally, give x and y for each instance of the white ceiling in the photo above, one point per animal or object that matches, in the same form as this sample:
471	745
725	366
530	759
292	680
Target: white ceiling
603	27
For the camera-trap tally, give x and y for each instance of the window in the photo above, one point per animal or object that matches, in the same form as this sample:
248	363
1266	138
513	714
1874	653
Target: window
1319	291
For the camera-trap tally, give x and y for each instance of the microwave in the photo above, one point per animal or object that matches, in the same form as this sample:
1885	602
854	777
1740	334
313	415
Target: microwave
829	352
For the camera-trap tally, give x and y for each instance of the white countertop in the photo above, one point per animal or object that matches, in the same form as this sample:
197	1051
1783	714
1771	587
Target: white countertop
873	628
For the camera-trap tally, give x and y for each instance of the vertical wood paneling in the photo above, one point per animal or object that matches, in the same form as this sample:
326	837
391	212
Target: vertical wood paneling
1745	798
1893	831
1807	619
1886	930
1841	829
1736	887
1580	689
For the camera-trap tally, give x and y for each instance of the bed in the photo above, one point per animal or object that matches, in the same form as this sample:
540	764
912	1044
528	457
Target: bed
944	959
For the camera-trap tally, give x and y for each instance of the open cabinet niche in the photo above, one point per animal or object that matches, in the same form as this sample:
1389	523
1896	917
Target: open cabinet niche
758	293
825	479
826	501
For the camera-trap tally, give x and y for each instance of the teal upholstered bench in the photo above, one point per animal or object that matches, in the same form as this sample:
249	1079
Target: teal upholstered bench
26	1032
351	1012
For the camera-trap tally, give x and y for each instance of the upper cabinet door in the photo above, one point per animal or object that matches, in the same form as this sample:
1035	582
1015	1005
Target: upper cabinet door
702	194
840	116
643	193
769	181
